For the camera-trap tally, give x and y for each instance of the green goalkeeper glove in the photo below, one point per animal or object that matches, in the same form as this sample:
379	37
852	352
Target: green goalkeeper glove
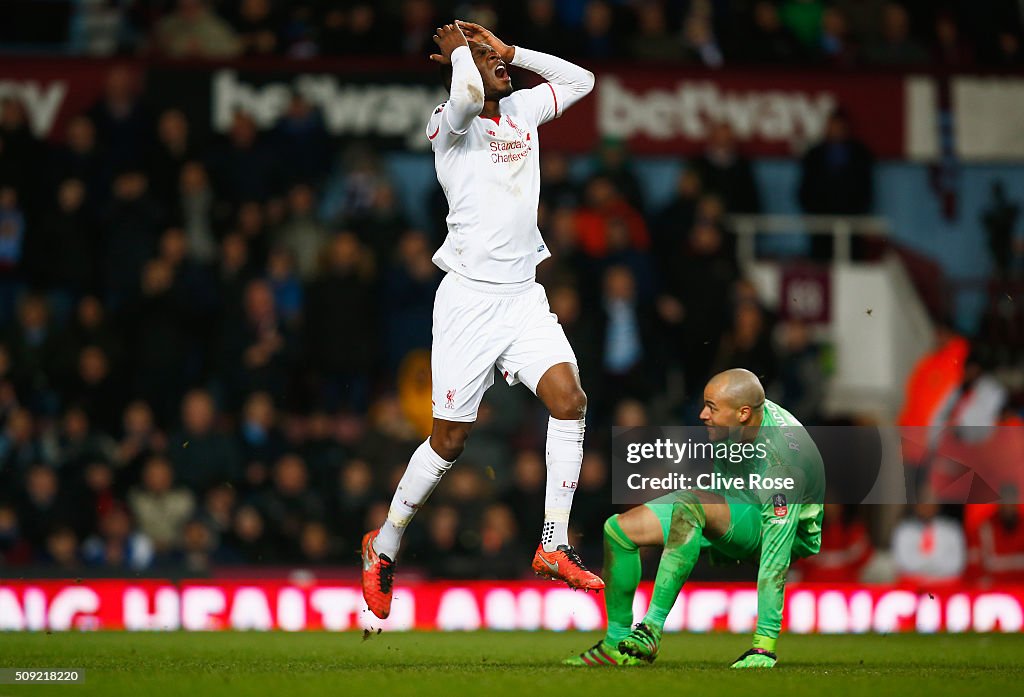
761	656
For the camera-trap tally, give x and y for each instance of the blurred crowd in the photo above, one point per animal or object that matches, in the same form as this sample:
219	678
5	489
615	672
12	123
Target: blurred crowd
207	358
836	33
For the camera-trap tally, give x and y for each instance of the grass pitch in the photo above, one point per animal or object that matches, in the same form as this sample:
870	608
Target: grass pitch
498	664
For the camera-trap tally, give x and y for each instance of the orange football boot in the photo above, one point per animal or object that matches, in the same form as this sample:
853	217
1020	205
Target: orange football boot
564	564
378	577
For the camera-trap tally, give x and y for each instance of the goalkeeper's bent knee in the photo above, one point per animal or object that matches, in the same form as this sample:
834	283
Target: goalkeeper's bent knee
614	534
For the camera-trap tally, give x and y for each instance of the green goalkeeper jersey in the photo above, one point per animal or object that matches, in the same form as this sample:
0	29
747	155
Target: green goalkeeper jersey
790	517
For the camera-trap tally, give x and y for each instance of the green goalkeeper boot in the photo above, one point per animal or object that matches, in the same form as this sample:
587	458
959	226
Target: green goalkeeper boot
601	655
642	643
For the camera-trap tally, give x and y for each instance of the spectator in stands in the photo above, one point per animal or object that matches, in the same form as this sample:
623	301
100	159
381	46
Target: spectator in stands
748	344
653	41
124	127
199	548
235	271
160	340
950	48
140	437
193	30
14	548
447	552
542	30
341	318
19	447
12	244
725	172
803	18
929	547
768	40
95	488
27	155
196	209
259	438
301	137
315	544
356	32
201	455
286	285
174	147
896	46
557	188
671	225
256	25
290	503
63	251
160	508
524	495
419	17
605	204
243	168
248	540
302	235
500	547
802	374
218	511
694	306
845	548
76	443
612	161
996	545
626	338
864	17
934	379
80	157
836	174
699	36
43	506
131	229
97	388
599	38
380	226
256	351
408	297
835	44
61	550
352	493
116	545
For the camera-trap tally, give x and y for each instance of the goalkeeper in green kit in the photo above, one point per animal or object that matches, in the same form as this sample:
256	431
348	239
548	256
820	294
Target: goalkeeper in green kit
770	525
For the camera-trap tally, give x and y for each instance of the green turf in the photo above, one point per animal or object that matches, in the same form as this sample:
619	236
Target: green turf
519	664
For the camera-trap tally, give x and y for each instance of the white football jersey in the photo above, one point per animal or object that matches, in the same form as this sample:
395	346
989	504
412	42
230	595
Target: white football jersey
490	168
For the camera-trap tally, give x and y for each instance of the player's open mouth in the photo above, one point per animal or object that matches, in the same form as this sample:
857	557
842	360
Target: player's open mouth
501	73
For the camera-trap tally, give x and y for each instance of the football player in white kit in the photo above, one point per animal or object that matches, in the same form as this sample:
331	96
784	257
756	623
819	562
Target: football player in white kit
489	310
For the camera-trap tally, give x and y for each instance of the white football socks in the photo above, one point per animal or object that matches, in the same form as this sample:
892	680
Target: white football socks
424	471
564	458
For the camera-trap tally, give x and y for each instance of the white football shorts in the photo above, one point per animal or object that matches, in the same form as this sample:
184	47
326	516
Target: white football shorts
479	326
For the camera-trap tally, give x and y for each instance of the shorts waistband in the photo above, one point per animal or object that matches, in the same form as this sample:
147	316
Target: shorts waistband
517	288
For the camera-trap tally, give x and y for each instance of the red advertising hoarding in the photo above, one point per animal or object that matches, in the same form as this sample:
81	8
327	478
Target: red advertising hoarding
208	605
658	111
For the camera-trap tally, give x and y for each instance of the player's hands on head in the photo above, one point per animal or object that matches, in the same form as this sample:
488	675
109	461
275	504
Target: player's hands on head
448	38
474	32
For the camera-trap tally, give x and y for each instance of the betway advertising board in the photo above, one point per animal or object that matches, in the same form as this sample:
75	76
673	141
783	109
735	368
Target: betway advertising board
657	111
209	605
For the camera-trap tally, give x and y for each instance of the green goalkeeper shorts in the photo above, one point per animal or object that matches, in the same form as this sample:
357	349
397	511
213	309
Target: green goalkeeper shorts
741	541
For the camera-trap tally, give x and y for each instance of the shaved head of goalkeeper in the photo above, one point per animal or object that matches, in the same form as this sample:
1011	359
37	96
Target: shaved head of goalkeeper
733	405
